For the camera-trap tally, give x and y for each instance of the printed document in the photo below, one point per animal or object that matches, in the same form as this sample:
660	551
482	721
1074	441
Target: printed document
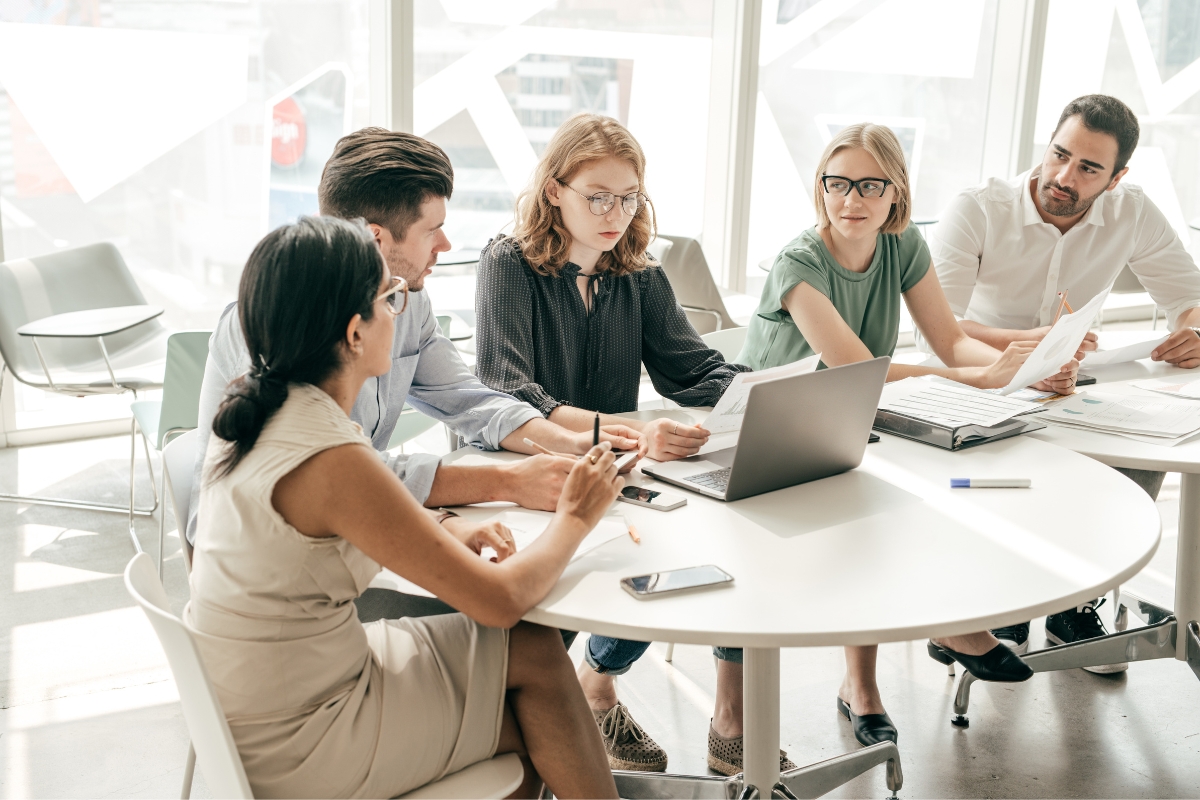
950	404
527	526
730	410
1171	386
1159	417
1058	347
1119	355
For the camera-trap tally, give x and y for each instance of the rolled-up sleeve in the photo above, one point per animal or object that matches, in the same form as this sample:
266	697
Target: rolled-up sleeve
445	389
1163	266
504	309
956	245
681	366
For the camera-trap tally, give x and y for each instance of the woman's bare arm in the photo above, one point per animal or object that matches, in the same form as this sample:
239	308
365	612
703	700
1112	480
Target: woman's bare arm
346	491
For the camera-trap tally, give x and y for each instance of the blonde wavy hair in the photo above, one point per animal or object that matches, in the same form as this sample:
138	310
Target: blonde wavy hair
884	147
539	230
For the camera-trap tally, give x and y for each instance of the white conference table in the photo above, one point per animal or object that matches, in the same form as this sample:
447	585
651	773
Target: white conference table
811	563
1118	451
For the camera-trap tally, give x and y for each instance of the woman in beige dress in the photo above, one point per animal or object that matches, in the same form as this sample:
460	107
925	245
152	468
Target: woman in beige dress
299	514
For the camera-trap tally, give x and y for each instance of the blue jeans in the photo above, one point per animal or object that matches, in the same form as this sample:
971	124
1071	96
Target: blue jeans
615	656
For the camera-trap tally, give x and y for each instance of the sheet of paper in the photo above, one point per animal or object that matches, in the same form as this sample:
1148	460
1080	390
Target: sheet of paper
730	410
951	404
1058	347
1130	352
527	526
1146	416
1171	386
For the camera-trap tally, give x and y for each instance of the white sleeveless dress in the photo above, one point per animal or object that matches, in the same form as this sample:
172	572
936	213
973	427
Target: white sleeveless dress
321	705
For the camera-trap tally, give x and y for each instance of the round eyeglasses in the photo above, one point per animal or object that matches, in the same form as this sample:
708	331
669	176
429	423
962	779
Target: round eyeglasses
867	187
392	295
602	202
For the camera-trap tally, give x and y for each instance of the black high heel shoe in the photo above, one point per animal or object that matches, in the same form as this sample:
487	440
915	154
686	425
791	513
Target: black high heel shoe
1000	664
869	729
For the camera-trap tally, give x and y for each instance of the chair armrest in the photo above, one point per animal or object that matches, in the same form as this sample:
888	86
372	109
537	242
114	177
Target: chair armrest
709	311
91	323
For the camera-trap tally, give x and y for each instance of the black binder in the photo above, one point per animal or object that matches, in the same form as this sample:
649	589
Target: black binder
950	437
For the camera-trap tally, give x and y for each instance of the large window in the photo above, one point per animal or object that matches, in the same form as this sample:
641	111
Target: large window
495	80
1147	53
179	131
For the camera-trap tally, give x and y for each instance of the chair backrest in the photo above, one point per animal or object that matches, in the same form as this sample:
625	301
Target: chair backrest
78	279
186	354
1127	282
179	465
216	752
444	323
727	342
687	270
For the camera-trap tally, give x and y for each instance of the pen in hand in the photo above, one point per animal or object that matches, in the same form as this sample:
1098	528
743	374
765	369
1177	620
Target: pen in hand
596	430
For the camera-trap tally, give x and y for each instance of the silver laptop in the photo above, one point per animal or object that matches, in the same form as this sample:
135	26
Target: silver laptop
795	430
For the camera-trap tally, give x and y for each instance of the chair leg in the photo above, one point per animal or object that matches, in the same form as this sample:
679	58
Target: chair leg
189	770
670	652
133	510
162	516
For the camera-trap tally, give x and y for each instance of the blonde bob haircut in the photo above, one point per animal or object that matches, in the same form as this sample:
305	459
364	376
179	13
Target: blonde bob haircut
884	147
539	230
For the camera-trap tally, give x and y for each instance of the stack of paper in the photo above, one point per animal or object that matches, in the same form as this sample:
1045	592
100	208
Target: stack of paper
527	526
1172	386
1155	420
951	404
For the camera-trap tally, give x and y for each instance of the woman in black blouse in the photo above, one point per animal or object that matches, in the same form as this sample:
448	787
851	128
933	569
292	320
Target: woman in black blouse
568	310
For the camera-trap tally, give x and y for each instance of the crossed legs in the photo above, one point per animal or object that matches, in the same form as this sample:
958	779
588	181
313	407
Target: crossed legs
547	721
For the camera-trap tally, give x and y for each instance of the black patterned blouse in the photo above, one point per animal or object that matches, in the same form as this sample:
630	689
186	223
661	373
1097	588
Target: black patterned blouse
537	341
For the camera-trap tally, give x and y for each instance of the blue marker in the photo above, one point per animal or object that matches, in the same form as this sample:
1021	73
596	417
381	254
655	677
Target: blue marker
990	483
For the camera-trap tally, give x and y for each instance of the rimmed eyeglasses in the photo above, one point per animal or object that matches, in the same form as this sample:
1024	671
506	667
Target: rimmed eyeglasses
391	295
602	202
867	187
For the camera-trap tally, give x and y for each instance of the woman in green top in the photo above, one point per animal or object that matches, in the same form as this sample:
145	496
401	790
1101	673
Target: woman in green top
835	290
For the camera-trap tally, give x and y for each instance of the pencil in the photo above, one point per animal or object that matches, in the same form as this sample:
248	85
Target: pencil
1063	297
633	534
544	451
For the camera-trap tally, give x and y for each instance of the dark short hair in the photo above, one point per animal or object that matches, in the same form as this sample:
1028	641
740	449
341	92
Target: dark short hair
302	285
1104	114
383	177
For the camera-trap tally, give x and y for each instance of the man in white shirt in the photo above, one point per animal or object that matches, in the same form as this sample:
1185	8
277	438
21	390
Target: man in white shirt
1005	250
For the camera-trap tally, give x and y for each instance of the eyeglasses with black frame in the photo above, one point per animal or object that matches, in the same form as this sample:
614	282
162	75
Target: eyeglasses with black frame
602	202
867	187
398	285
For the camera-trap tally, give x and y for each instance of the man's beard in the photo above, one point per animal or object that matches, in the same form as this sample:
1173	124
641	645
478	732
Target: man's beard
399	265
1063	208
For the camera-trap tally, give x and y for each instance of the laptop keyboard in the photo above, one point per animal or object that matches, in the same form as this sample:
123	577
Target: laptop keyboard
717	480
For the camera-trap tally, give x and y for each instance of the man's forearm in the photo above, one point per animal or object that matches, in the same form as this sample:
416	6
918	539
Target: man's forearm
1188	319
455	485
999	338
580	419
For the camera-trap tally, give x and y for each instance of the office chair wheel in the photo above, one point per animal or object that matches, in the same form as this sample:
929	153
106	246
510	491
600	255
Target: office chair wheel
960	721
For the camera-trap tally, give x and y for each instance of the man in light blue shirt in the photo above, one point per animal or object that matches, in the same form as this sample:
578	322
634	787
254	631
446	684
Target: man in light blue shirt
399	183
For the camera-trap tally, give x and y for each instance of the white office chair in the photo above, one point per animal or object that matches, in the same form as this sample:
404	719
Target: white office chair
201	709
727	342
687	269
178	462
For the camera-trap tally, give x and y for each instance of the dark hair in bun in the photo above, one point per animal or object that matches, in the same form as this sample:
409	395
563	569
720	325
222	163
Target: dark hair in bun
302	285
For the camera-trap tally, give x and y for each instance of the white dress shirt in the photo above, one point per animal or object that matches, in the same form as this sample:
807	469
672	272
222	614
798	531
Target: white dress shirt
1002	266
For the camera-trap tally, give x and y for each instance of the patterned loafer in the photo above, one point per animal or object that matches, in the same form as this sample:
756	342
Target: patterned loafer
627	745
725	755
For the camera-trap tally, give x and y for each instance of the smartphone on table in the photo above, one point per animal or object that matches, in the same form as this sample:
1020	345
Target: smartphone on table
676	580
651	498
